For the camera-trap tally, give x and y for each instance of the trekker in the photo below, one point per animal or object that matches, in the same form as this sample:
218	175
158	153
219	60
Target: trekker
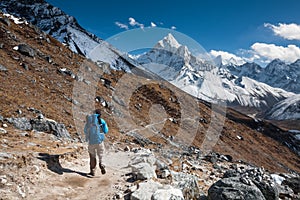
94	131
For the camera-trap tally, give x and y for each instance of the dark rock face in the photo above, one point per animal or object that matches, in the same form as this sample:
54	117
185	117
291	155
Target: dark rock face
293	183
20	123
53	21
43	125
59	130
233	189
270	192
26	50
239	183
254	177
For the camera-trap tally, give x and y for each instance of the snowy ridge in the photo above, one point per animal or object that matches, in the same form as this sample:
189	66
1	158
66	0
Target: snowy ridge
16	20
65	29
276	74
229	61
286	109
175	63
53	21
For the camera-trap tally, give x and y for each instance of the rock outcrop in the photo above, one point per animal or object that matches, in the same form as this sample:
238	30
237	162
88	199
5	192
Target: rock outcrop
41	124
254	183
232	189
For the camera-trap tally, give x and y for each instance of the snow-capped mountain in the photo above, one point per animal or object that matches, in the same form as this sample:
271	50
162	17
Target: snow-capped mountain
282	75
286	109
230	61
175	63
65	29
251	70
53	21
276	74
169	59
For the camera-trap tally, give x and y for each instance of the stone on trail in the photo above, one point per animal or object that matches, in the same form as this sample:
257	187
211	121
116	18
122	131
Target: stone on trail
145	190
233	189
168	194
143	171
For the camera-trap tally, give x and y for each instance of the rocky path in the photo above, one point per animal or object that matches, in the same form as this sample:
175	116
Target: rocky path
72	181
64	175
137	173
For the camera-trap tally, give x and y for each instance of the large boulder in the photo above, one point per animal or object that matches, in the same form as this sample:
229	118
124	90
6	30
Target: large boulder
145	190
258	177
233	189
42	125
143	171
155	191
269	191
142	165
143	156
187	183
167	194
20	123
293	183
26	50
285	192
50	126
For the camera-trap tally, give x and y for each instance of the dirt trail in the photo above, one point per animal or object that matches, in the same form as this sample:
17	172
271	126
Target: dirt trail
73	183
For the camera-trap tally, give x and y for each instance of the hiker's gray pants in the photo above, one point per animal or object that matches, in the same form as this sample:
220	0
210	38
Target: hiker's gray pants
96	149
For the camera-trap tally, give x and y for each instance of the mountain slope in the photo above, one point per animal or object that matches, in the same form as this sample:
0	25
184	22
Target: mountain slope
175	63
65	29
38	76
282	75
45	83
286	109
54	22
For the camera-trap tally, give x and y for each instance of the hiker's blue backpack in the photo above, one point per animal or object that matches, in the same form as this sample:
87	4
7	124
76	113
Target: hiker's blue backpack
94	129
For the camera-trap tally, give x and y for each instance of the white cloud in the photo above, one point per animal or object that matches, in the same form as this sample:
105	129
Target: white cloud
121	25
270	51
153	24
287	31
133	22
227	57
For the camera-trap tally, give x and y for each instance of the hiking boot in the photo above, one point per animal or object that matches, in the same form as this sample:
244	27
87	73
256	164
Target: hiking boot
102	167
92	173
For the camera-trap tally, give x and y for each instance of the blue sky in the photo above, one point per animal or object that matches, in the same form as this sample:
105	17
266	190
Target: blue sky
250	30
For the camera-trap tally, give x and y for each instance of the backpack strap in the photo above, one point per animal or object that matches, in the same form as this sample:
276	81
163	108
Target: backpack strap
99	119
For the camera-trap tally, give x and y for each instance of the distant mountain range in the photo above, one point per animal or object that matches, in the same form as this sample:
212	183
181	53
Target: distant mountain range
203	79
246	85
276	74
